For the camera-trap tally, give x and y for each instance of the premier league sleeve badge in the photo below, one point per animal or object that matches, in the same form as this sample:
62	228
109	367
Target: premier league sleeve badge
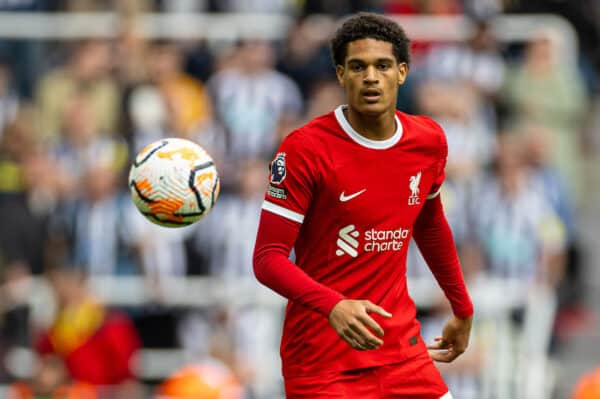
278	171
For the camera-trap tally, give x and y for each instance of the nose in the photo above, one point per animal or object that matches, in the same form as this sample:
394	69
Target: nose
370	75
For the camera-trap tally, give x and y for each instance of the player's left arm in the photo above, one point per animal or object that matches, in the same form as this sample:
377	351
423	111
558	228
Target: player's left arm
434	238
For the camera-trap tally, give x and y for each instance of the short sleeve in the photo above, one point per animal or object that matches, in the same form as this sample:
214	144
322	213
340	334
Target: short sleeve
436	187
292	178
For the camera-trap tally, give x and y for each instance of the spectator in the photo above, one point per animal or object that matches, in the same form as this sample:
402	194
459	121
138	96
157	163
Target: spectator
93	225
253	102
28	193
543	90
460	85
95	343
170	102
86	74
572	313
224	237
420	47
477	62
305	57
9	100
81	146
159	252
516	231
24	54
539	147
469	134
17	143
185	97
15	292
325	95
132	53
51	380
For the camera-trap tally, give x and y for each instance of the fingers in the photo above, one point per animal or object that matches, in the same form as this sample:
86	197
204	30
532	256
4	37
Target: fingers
355	345
443	351
372	324
445	355
370	307
442	356
439	343
351	320
366	336
354	340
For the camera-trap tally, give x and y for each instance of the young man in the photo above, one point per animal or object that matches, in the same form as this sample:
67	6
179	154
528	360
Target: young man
348	191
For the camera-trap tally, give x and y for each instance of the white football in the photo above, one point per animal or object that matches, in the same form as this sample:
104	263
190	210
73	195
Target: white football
174	182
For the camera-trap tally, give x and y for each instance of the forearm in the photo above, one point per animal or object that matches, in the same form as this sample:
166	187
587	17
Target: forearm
434	238
272	267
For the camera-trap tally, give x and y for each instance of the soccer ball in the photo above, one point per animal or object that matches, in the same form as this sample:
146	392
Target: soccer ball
174	182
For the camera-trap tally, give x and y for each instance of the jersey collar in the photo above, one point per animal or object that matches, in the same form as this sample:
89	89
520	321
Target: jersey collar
362	140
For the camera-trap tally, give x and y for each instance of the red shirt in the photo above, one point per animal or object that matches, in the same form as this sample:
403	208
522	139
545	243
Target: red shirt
357	201
104	356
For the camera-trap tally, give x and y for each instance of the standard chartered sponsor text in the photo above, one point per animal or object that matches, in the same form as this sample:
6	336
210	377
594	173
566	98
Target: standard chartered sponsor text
385	240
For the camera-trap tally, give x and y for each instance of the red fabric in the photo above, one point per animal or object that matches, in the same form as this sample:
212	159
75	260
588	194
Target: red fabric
104	359
273	268
417	378
348	208
434	238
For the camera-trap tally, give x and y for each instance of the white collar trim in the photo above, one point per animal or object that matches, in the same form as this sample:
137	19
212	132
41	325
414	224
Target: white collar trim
362	140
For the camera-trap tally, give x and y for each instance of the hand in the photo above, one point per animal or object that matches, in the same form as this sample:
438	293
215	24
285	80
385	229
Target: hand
453	342
350	319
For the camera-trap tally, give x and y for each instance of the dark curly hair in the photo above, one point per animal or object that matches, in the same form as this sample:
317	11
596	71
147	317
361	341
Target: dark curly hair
369	25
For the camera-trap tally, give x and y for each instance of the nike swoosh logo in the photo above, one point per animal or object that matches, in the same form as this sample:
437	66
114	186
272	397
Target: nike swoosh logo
344	198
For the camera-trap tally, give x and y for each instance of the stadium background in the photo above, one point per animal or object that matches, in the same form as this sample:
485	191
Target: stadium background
85	84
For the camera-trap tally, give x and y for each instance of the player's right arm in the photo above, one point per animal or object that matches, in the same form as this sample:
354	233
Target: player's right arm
294	176
272	267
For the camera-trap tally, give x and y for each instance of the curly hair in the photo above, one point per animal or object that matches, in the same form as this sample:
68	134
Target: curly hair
373	26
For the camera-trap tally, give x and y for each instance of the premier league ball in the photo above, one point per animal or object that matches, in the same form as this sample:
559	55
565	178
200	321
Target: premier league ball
174	182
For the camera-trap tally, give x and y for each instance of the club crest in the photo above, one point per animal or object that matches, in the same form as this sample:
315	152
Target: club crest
414	183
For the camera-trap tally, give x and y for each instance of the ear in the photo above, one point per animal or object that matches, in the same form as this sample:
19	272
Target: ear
402	72
339	72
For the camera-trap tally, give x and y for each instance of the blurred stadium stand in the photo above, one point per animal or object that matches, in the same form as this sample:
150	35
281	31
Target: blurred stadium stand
516	350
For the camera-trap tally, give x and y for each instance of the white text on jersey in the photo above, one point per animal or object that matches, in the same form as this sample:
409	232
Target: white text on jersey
375	240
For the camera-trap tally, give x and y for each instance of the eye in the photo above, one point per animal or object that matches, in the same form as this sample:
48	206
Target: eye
356	67
383	67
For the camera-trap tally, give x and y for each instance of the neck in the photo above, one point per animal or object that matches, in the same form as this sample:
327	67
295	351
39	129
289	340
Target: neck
374	127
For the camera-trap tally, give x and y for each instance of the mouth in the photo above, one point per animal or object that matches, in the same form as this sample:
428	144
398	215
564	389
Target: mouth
371	95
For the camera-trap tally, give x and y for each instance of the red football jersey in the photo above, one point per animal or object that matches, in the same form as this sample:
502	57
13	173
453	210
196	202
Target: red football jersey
357	200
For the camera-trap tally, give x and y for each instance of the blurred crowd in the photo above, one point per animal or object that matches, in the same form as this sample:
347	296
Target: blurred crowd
518	118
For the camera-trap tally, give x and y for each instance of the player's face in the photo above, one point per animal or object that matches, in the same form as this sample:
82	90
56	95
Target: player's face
371	76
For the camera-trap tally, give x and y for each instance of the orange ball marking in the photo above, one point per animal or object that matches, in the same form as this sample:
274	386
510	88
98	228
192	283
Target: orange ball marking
200	179
164	206
145	187
186	153
167	206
